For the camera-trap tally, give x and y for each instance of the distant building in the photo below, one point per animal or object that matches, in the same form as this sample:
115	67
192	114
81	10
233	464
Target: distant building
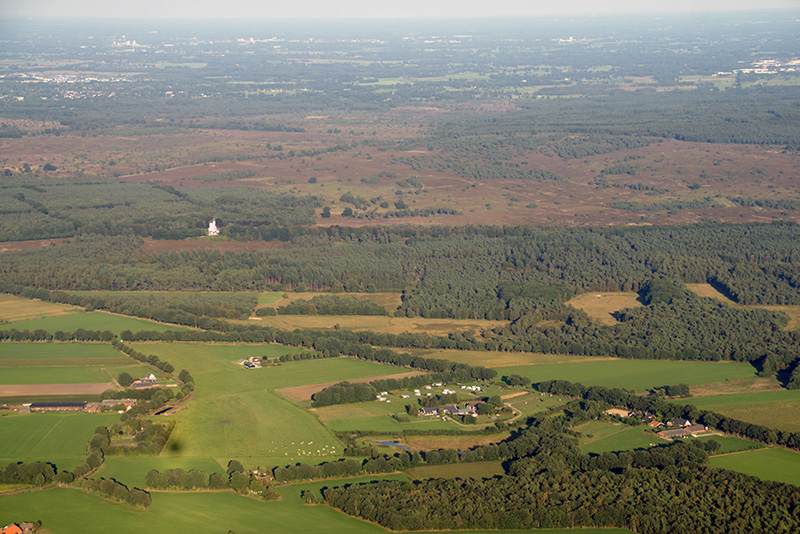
58	406
683	432
679	422
212	228
145	382
108	403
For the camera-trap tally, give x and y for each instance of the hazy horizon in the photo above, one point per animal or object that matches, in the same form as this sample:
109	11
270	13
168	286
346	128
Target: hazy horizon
360	9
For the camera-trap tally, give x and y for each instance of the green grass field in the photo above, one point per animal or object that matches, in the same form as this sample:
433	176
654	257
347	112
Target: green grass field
532	403
30	354
69	511
235	412
52	375
732	444
775	464
603	436
778	409
96	320
459	470
131	470
635	374
59	438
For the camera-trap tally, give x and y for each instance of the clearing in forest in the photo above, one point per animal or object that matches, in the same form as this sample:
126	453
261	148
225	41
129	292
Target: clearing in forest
792	312
600	305
376	323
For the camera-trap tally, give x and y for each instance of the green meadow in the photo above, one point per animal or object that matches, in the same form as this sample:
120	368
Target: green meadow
235	413
603	436
69	511
25	354
60	438
780	465
95	320
131	470
639	375
52	375
778	409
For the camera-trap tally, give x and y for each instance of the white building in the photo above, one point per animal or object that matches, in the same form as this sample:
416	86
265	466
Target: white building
212	228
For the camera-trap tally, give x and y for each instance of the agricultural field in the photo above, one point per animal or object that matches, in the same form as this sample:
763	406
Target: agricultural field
639	375
68	511
16	309
600	306
776	464
95	320
60	438
235	413
500	360
604	436
779	409
731	443
56	366
375	323
55	354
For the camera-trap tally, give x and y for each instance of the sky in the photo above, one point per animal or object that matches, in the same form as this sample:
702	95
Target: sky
345	9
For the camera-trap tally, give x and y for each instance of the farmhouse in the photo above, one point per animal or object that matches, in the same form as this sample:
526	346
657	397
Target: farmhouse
683	432
57	407
108	403
678	422
451	409
145	382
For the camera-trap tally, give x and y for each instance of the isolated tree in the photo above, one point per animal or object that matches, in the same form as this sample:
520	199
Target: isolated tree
125	379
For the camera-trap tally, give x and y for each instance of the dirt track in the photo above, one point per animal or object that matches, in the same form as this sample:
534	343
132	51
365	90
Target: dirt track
20	390
301	393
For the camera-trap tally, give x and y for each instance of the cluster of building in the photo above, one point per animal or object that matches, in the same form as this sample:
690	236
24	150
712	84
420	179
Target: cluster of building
82	406
470	408
676	428
253	362
146	382
682	428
